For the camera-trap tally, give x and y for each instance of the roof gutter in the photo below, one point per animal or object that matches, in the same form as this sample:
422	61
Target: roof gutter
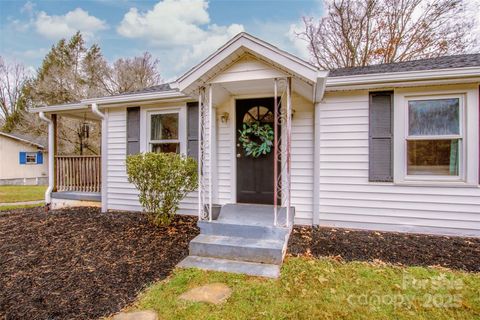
59	107
136	97
51	155
392	78
106	101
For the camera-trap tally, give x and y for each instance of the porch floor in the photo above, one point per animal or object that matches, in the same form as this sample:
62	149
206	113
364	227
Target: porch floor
253	214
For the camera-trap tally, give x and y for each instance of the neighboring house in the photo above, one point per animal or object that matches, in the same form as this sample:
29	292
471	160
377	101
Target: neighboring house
390	147
22	161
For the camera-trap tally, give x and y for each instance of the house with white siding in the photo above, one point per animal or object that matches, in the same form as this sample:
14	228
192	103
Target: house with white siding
391	147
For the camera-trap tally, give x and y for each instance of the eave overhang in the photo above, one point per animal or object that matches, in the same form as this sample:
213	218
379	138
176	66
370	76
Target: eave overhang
406	78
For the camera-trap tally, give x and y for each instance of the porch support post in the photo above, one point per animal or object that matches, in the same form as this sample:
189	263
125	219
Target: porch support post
210	152
288	147
55	151
200	156
275	152
205	187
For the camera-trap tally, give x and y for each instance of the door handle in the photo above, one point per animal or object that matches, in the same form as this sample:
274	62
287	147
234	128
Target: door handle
239	155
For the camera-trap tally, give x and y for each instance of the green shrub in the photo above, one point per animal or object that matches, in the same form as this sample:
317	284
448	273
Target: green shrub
163	180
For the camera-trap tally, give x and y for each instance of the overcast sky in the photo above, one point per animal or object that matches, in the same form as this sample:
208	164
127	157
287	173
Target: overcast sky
178	32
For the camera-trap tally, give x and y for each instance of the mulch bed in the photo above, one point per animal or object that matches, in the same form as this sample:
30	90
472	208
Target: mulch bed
396	248
81	264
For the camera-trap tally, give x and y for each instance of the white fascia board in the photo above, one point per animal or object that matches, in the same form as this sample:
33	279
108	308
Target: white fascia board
59	107
249	43
363	80
136	97
108	101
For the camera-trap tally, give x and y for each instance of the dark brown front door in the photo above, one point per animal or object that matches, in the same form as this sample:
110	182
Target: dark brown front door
254	175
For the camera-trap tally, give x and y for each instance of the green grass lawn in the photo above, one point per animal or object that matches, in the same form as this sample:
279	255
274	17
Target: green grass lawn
324	289
23	206
21	193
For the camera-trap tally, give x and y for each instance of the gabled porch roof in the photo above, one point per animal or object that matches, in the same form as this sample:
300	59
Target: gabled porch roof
303	73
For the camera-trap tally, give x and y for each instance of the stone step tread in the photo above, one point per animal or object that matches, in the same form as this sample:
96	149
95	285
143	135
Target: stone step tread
227	222
233	266
246	231
239	241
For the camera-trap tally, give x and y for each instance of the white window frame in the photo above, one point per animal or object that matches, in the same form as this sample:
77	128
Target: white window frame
461	139
182	136
31	153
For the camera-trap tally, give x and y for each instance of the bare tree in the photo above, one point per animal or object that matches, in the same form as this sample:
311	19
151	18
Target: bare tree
132	74
12	78
364	32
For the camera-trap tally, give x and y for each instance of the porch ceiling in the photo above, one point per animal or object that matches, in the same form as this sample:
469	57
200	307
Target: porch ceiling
256	88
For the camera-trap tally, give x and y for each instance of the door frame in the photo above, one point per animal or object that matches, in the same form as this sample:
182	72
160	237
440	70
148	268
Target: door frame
233	120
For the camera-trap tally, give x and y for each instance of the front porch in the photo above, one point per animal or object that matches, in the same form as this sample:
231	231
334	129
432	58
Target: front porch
74	180
78	181
244	89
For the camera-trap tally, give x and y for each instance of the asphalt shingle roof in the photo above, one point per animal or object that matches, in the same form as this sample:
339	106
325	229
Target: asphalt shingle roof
158	88
457	61
446	62
36	140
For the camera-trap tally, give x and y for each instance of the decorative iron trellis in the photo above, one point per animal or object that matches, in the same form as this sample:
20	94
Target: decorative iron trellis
282	147
205	154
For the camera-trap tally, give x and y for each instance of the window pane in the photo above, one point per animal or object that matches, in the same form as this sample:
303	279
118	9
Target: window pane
433	157
434	117
166	147
258	113
164	126
31	158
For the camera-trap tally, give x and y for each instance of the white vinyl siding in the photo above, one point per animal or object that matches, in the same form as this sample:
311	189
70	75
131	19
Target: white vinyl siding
302	160
122	195
348	199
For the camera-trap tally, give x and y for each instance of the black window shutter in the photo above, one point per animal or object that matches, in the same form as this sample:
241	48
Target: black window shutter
381	137
192	129
133	130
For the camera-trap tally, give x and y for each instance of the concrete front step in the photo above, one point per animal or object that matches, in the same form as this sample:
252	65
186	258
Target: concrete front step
238	248
224	265
220	228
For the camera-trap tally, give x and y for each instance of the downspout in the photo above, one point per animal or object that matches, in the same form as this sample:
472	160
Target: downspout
102	116
51	157
318	93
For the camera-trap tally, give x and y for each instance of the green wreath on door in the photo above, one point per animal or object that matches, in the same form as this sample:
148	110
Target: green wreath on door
256	138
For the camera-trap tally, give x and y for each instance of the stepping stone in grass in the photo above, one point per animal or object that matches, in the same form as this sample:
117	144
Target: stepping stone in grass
137	315
215	293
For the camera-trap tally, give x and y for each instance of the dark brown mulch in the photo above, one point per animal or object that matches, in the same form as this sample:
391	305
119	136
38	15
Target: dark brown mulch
391	247
81	264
